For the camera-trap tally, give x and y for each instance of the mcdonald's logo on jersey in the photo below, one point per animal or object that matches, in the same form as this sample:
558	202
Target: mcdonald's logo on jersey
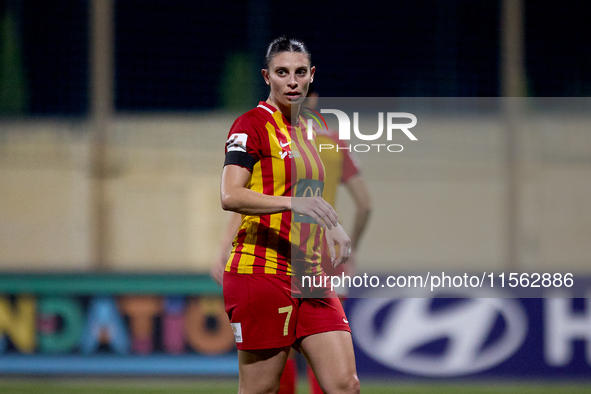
307	188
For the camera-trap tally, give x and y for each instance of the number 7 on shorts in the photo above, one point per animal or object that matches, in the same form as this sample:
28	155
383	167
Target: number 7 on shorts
288	310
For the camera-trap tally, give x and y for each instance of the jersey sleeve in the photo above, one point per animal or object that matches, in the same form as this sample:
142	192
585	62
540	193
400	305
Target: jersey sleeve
350	167
243	145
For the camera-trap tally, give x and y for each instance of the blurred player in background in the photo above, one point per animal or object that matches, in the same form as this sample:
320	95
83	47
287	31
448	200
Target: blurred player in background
269	161
340	168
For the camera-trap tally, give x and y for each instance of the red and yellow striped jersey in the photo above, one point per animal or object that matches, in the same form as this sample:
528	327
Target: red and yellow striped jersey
340	167
283	162
339	164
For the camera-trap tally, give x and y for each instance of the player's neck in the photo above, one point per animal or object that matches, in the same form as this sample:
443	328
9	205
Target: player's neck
286	110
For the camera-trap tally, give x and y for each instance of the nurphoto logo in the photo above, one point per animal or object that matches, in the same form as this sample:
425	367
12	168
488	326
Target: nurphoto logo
344	131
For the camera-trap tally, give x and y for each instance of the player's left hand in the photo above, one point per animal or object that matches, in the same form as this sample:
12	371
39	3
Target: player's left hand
338	237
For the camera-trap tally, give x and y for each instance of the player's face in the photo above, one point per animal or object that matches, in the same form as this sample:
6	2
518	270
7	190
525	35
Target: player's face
289	75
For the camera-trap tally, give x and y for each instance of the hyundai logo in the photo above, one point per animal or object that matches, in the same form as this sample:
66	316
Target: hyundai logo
469	334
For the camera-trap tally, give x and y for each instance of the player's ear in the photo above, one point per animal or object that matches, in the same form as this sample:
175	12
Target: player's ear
312	71
265	73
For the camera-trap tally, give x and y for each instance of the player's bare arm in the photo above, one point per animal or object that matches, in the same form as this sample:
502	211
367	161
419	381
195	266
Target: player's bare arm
357	188
236	197
217	271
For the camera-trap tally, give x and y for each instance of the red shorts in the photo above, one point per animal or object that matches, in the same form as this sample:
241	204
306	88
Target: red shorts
264	315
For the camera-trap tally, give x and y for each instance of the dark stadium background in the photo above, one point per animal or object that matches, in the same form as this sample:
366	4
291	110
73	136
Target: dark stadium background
171	55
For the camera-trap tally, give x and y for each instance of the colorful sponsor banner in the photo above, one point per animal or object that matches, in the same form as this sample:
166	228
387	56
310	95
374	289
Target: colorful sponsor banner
123	324
176	324
472	337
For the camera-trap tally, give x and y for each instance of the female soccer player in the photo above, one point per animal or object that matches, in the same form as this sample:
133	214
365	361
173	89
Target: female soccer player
273	177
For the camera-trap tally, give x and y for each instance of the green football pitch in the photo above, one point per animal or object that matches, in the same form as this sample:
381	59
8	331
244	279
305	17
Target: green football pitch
217	386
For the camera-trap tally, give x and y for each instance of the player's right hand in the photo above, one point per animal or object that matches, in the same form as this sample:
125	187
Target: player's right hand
338	237
317	208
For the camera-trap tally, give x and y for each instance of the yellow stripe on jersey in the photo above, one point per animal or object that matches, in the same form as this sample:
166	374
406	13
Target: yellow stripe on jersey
280	123
251	223
247	254
309	153
333	168
278	166
301	171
